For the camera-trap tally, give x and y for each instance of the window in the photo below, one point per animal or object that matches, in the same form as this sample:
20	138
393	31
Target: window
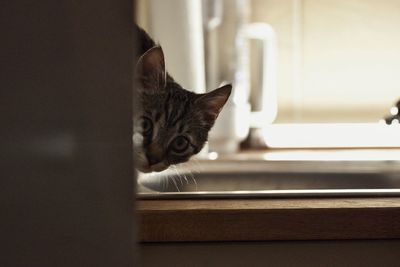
338	69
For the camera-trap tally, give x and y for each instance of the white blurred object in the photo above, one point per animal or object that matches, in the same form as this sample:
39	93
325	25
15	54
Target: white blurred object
328	135
264	109
213	155
232	127
394	111
177	25
236	32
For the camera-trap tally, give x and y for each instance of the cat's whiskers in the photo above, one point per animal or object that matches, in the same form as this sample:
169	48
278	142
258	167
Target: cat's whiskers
194	180
175	183
195	165
177	173
162	183
187	174
186	179
165	183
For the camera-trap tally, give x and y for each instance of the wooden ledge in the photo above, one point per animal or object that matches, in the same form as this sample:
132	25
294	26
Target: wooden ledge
269	219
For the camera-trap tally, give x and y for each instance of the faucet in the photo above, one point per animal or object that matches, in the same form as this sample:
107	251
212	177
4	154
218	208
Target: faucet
249	109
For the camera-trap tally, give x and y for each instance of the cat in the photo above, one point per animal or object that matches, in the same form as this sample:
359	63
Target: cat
173	123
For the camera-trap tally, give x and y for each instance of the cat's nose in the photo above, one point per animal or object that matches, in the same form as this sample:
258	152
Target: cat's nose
154	153
152	160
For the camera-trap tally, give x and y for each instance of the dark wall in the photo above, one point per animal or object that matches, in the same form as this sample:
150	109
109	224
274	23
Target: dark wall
66	186
350	253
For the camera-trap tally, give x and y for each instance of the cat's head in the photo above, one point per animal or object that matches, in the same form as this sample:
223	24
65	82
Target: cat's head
173	123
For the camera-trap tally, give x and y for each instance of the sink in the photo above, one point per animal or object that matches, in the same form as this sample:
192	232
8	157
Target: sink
273	179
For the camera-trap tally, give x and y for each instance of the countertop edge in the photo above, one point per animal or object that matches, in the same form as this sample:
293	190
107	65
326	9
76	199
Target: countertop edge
268	219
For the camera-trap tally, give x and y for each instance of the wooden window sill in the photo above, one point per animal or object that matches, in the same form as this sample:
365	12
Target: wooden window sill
269	219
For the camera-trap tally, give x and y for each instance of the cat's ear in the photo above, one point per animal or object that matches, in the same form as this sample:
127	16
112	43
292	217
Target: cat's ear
150	69
211	103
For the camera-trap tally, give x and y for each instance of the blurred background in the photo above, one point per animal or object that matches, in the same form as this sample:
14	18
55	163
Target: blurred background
337	60
291	62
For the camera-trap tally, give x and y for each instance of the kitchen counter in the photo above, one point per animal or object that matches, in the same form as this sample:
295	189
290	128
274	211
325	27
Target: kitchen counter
269	219
265	219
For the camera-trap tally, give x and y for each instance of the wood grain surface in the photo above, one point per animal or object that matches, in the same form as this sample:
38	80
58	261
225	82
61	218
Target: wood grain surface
269	219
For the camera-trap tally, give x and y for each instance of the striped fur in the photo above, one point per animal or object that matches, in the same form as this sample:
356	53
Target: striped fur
172	111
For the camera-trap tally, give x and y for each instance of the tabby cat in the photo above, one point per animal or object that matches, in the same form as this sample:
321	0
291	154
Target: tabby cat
173	123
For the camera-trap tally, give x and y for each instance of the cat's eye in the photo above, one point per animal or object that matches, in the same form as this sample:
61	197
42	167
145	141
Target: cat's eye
180	144
147	126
